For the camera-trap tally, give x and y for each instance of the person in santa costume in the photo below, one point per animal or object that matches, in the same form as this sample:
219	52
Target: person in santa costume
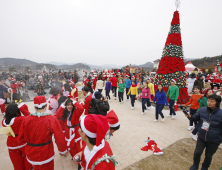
85	80
59	113
70	111
74	92
13	120
37	130
113	121
96	153
15	89
87	99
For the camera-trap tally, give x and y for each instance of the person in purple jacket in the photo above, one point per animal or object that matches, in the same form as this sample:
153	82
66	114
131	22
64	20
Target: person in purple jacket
161	100
108	88
145	97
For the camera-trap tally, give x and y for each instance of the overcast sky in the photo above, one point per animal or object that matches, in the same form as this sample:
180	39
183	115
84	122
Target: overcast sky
106	31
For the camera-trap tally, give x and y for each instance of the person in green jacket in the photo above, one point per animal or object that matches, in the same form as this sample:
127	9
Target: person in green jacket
121	87
173	91
202	103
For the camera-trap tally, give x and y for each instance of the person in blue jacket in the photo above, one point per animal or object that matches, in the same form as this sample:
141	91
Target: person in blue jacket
209	131
161	100
128	84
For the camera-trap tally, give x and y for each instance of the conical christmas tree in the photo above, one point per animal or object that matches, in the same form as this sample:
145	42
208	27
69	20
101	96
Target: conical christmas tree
171	65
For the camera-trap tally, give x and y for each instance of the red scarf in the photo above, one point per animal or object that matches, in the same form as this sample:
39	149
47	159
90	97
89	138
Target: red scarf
134	85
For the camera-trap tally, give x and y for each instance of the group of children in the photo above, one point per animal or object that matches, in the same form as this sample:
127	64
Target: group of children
30	139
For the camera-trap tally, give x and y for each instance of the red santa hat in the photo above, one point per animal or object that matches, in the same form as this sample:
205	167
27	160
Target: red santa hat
39	101
103	72
12	79
112	119
174	80
127	75
95	126
118	71
108	71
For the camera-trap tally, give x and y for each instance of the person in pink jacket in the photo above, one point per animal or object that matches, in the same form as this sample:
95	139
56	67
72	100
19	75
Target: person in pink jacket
146	96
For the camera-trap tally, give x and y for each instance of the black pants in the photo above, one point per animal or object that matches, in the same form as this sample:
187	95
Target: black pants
133	98
159	108
100	90
107	94
114	90
127	90
120	95
193	112
211	148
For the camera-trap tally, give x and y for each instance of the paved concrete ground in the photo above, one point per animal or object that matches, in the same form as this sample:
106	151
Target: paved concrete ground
127	141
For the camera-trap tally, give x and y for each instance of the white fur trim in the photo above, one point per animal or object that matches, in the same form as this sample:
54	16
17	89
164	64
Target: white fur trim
62	152
20	105
40	105
74	102
17	147
158	153
62	105
11	122
88	133
41	162
76	140
114	125
173	80
90	154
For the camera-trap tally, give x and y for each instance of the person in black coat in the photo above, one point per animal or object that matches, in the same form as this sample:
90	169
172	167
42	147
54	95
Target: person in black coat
209	132
99	105
199	82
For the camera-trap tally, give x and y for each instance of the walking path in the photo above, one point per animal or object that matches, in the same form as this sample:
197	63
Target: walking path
126	142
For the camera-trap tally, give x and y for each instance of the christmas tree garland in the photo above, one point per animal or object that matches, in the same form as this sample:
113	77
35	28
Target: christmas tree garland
105	158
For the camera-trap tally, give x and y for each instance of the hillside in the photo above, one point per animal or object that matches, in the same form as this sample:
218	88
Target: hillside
15	61
148	64
79	66
206	62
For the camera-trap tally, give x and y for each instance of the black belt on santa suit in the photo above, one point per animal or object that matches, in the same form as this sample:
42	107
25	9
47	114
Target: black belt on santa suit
41	144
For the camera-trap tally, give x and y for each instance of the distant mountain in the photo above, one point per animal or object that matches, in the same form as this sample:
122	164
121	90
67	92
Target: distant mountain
105	66
79	66
189	59
15	61
148	64
59	64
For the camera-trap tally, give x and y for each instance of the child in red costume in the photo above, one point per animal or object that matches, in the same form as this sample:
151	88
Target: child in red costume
87	99
96	151
37	130
16	150
70	111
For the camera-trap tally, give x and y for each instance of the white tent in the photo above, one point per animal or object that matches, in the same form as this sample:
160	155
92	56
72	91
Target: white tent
190	67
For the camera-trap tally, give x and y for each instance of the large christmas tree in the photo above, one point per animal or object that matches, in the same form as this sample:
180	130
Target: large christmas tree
171	65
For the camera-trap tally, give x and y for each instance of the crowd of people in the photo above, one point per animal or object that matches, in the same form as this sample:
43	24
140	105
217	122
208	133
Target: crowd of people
80	127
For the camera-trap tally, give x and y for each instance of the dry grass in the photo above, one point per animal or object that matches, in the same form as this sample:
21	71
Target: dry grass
178	156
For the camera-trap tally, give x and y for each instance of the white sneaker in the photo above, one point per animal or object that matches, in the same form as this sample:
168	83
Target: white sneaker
132	108
169	115
190	128
152	107
127	100
145	110
149	108
115	98
142	113
109	100
155	120
174	116
162	119
113	94
119	102
193	136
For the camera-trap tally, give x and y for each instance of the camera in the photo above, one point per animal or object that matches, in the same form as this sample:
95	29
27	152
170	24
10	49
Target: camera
185	111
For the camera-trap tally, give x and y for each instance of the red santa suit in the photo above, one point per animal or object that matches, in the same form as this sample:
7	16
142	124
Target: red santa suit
86	104
71	127
76	94
85	81
37	130
17	150
96	126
